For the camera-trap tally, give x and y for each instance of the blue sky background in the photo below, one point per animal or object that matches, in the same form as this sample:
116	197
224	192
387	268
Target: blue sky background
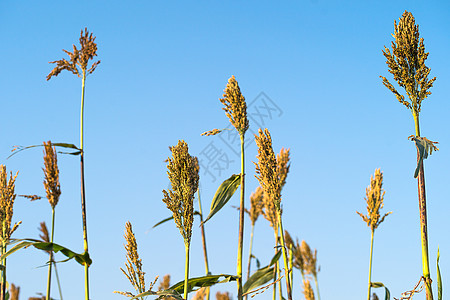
164	67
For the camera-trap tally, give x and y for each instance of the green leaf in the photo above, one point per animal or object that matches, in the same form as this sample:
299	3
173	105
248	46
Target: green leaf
387	294
258	278
425	147
170	218
262	275
223	194
82	259
177	289
62	145
438	278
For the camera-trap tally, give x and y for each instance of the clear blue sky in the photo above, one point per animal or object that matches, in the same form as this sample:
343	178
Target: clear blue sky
164	67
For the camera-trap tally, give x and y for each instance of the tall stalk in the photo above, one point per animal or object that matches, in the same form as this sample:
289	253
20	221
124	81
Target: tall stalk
80	59
49	276
241	221
186	271
370	267
407	64
205	252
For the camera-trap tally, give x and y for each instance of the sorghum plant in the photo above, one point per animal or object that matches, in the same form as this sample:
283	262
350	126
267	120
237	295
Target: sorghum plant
53	190
267	169
183	175
375	202
7	197
78	65
406	63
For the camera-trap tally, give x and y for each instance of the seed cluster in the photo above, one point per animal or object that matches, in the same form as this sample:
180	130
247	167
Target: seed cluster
183	172
7	197
235	106
51	174
407	63
78	57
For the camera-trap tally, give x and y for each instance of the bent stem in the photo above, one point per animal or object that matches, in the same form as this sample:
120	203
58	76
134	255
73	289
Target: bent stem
205	253
186	270
423	216
83	195
49	278
241	221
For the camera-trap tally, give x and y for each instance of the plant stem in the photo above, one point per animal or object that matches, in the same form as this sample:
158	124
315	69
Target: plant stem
3	251
285	259
370	266
241	221
275	267
423	217
205	253
57	280
186	270
250	254
83	195
291	265
317	287
49	278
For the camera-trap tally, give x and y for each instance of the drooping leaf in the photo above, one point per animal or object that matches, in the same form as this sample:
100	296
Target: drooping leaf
170	218
82	259
387	294
223	194
425	147
198	282
18	149
439	278
262	275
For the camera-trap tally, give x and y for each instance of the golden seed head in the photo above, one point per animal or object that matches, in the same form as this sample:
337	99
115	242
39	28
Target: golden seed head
256	204
7	197
165	283
289	242
183	172
31	197
298	258
133	264
235	106
407	63
266	168
212	132
223	296
309	259
14	292
374	198
51	172
374	296
308	291
200	294
79	58
283	165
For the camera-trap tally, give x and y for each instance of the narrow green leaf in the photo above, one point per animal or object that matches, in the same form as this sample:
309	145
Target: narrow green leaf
438	278
170	218
258	278
223	194
62	145
387	294
203	281
82	259
261	276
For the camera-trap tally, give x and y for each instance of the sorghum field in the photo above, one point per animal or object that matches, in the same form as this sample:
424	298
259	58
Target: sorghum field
224	150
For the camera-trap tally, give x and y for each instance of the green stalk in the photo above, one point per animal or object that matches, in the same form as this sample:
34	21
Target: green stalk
241	221
291	266
250	255
317	287
57	280
49	278
370	266
423	216
275	268
83	195
3	282
285	259
280	291
205	253
186	270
